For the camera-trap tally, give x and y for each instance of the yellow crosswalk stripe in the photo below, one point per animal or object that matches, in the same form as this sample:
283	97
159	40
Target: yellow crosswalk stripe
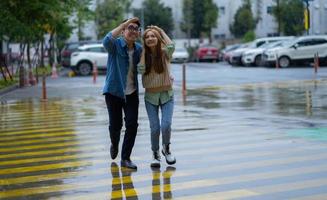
48	139
61	150
227	180
299	185
50	166
130	192
56	158
38	131
77	143
232	194
311	197
45	135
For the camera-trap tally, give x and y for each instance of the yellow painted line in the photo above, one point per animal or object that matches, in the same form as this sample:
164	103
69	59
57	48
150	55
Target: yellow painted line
232	194
268	162
62	133
95	172
19	180
31	122
119	193
38	131
56	158
36	111
50	166
45	125
4	149
62	150
94	141
35	114
227	180
311	197
30	119
50	139
285	187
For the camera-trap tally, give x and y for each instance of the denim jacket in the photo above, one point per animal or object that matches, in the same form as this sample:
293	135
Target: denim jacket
118	64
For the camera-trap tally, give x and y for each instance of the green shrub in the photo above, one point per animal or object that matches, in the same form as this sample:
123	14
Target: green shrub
249	36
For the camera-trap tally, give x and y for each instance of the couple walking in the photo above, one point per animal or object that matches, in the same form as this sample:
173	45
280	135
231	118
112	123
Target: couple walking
126	58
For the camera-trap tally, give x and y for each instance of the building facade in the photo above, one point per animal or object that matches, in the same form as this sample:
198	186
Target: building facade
261	9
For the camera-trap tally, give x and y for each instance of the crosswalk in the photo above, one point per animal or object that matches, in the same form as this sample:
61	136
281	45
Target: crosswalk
60	150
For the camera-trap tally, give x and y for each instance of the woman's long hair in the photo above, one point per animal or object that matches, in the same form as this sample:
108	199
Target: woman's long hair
155	60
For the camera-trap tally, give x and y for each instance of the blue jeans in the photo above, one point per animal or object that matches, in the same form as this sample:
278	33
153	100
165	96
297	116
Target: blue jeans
166	119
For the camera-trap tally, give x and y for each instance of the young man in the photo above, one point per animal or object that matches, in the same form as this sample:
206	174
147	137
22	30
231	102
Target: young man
121	86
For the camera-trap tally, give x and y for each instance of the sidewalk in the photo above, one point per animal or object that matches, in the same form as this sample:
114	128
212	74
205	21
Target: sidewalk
230	143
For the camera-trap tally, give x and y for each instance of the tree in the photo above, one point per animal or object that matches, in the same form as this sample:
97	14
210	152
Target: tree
187	23
199	17
83	14
156	13
290	15
109	14
243	20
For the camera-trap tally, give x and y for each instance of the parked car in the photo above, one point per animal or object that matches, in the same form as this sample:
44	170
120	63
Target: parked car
253	57
206	52
223	54
180	55
236	56
300	50
69	48
82	61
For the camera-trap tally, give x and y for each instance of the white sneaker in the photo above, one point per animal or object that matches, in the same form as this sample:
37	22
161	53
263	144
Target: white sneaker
156	159
170	159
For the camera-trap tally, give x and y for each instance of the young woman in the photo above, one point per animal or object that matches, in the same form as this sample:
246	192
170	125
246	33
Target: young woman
157	81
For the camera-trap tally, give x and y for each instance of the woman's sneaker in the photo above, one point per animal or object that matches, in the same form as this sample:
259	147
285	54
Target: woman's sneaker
156	159
170	159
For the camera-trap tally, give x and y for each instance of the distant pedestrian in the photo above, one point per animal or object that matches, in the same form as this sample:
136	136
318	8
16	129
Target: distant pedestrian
121	86
158	83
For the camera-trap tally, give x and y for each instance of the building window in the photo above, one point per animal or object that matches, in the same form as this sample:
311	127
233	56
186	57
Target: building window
270	9
219	36
222	10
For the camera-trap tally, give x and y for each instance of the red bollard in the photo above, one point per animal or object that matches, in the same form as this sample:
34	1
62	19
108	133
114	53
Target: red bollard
95	72
184	84
44	88
316	62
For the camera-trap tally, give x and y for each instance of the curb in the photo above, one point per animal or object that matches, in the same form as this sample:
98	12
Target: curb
8	89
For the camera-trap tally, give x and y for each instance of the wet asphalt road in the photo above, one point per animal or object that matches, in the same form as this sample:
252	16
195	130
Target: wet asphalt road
240	133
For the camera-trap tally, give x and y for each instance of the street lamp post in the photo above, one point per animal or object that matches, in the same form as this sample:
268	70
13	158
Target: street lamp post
307	16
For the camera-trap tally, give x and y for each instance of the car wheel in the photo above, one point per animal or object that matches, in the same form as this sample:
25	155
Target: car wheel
284	62
84	68
257	60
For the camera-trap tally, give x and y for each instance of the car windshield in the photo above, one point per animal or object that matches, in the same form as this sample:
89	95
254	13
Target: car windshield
180	49
73	46
271	45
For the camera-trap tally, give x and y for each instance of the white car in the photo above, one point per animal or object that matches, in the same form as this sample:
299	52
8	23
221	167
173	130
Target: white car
180	55
236	56
300	50
82	61
253	57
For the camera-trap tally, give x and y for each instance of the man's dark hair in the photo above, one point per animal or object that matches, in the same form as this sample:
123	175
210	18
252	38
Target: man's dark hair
137	22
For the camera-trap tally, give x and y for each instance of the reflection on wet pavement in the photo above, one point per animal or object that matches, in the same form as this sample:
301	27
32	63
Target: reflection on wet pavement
254	141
